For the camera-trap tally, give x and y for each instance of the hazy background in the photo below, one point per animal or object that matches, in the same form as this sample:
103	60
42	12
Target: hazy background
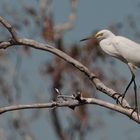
22	81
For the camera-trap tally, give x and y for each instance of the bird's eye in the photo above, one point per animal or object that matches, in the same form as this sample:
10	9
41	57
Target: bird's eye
98	35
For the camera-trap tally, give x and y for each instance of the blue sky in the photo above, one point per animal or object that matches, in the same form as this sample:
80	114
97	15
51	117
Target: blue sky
91	15
94	14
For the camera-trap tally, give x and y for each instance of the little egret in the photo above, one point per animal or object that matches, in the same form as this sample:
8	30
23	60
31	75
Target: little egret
123	49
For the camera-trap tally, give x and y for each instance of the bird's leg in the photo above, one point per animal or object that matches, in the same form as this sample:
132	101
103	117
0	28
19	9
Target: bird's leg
132	68
123	95
136	102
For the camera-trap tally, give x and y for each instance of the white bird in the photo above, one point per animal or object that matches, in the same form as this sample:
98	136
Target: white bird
123	49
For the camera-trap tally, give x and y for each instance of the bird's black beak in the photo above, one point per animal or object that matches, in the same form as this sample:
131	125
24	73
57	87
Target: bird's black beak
85	39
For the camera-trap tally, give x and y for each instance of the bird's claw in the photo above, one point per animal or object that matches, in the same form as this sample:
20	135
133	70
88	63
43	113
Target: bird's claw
123	95
120	101
134	110
119	96
127	107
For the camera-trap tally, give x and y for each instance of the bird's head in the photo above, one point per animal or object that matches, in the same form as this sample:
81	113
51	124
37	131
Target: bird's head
103	34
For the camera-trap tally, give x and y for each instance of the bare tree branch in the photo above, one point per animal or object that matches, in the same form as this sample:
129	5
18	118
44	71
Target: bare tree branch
71	20
9	28
98	84
46	47
70	103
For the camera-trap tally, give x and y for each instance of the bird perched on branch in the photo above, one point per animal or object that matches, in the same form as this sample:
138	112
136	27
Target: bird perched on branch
123	49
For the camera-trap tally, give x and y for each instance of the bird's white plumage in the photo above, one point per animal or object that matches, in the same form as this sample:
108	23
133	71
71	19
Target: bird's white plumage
120	47
124	49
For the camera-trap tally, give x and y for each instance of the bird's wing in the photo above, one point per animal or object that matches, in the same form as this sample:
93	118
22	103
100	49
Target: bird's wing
127	49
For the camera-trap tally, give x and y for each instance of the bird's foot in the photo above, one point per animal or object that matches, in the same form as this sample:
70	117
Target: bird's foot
122	97
117	98
135	110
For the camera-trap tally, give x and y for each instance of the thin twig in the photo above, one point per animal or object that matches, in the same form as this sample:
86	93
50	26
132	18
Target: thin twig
72	103
9	28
